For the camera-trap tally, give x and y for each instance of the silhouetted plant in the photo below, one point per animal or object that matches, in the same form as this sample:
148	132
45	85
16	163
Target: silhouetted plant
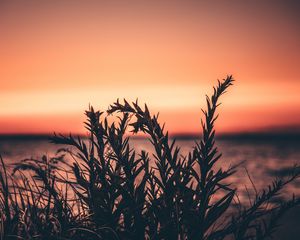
107	190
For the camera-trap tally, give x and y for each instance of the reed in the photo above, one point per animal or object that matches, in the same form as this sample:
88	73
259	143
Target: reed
100	187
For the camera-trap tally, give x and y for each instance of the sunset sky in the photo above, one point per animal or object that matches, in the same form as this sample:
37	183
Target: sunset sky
57	57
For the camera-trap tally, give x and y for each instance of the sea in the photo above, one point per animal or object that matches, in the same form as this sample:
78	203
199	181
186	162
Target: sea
262	158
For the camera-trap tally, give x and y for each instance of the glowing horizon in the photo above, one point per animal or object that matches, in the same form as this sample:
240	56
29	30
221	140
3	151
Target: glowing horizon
58	58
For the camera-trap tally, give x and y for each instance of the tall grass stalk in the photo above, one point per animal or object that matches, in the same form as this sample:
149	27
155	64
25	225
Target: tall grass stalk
105	189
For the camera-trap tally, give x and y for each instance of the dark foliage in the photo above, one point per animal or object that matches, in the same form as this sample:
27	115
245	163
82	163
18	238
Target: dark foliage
107	190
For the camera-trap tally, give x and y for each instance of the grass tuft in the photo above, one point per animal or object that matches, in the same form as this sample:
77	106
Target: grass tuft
107	190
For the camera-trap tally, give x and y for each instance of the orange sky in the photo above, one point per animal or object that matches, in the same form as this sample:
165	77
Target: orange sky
56	57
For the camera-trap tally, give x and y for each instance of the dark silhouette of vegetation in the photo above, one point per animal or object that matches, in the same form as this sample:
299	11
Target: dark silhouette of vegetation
107	190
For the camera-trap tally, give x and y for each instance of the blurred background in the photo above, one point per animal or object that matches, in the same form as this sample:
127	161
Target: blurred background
57	57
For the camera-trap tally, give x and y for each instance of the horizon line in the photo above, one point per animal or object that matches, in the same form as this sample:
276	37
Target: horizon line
269	134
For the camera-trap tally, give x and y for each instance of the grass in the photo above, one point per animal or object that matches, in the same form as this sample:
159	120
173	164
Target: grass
107	190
